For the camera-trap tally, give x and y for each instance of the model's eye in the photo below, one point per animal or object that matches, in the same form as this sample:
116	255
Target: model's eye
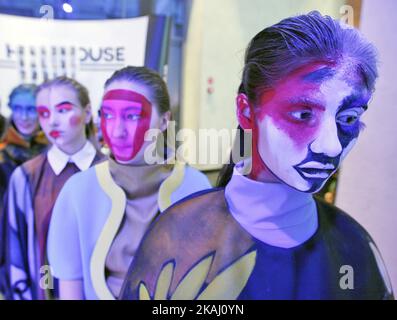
32	110
64	107
133	117
348	117
106	115
302	115
43	113
347	120
63	110
16	108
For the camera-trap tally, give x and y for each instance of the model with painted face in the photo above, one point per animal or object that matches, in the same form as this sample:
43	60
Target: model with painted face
110	206
313	116
306	82
22	141
64	113
126	115
23	138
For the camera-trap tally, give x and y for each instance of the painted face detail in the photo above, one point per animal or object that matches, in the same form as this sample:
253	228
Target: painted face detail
308	123
125	118
24	113
61	116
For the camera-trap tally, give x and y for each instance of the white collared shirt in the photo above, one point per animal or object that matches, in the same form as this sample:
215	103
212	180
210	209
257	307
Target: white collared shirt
82	158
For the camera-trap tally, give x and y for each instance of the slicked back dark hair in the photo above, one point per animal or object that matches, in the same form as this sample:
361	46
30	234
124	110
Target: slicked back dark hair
149	78
297	41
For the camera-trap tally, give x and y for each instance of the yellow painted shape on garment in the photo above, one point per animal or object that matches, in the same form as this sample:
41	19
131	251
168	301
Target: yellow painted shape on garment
164	282
143	292
191	284
170	185
229	283
225	286
109	230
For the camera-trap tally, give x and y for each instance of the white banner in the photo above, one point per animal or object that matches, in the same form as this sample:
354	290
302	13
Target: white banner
32	50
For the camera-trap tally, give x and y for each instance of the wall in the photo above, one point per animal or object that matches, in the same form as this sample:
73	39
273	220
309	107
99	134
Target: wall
367	184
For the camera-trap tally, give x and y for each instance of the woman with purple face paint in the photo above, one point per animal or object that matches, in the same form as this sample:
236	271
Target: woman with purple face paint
306	82
22	141
64	114
101	215
23	138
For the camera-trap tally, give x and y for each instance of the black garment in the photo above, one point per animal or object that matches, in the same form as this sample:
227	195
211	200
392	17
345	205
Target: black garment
340	261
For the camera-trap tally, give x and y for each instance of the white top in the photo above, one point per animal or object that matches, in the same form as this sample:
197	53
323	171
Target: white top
273	213
82	158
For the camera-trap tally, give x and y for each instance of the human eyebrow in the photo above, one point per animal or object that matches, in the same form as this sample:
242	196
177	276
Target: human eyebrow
133	108
63	103
319	75
353	101
306	101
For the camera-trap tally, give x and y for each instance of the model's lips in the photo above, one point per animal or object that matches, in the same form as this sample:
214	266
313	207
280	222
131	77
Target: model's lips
317	165
55	134
315	173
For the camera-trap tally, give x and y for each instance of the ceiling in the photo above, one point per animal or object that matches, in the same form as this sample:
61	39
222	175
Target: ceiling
90	9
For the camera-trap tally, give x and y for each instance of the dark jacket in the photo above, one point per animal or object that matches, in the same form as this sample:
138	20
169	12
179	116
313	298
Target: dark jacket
197	250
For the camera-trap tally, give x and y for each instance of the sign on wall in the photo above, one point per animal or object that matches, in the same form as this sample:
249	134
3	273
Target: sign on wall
33	50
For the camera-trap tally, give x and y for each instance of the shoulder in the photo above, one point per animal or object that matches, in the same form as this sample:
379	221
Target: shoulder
195	221
353	242
34	164
196	227
338	223
199	203
185	181
83	180
99	158
80	194
195	176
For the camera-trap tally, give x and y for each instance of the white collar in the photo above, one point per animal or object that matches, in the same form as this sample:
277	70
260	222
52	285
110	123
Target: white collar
271	212
82	158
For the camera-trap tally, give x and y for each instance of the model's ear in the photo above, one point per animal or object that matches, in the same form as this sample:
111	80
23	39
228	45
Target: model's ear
165	118
244	114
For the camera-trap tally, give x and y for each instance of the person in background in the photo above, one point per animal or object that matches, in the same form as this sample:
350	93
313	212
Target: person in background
64	111
307	81
101	214
2	128
22	138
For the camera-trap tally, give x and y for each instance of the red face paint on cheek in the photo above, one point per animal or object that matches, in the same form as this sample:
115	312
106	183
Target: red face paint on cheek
125	118
75	121
299	121
301	133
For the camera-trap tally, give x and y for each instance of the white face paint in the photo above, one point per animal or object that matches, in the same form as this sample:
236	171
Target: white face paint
62	117
307	125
